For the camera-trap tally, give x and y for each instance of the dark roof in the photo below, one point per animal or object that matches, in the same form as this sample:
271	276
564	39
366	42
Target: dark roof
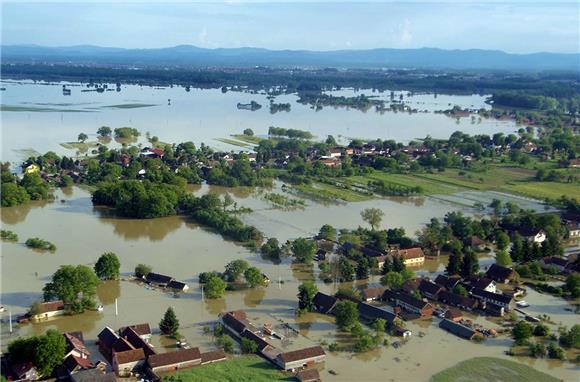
260	341
480	283
20	369
447	281
457	300
371	312
107	337
121	344
529	231
236	323
171	358
138	343
174	284
72	362
556	260
158	278
429	287
93	375
497	272
306	353
129	356
410	300
140	329
411	285
324	303
503	298
457	329
212	356
308	375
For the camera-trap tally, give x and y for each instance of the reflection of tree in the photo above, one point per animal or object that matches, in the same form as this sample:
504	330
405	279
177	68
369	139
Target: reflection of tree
17	214
303	272
133	229
215	306
68	191
254	296
108	291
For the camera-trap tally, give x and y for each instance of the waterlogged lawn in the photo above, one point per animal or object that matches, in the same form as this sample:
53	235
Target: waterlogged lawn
488	369
241	369
542	190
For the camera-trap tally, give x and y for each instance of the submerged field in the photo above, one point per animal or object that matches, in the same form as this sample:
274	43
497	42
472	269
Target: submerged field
488	369
241	369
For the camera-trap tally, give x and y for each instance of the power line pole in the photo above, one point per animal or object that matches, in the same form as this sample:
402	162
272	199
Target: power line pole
10	320
116	308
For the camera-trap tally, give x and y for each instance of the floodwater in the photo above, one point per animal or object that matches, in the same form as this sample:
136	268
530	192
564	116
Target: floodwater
181	248
202	115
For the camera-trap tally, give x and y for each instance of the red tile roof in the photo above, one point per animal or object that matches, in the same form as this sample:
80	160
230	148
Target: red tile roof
172	358
129	356
301	354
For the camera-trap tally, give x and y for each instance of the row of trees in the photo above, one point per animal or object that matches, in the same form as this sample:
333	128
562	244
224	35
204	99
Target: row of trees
15	192
236	271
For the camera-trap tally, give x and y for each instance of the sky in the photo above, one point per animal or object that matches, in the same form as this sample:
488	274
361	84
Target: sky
515	27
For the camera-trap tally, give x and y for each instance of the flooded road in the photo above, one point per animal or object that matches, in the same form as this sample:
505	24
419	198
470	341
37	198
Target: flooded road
180	248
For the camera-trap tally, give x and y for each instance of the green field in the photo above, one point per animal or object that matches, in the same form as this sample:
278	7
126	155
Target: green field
234	142
487	369
329	192
241	369
83	147
248	138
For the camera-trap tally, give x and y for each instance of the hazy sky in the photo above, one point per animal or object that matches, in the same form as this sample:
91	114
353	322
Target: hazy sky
517	26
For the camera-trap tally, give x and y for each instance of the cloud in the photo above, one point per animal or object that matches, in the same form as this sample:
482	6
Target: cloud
406	36
203	35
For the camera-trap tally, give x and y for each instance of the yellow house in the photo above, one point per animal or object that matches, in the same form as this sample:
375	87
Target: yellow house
32	169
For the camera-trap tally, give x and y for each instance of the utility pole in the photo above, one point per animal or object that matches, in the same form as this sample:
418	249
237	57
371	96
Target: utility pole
202	298
116	308
10	320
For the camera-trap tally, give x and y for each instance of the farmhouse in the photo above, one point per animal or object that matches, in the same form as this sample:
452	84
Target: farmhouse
412	304
75	345
411	256
174	360
373	294
125	363
501	300
302	358
47	310
158	279
371	313
458	301
430	289
457	329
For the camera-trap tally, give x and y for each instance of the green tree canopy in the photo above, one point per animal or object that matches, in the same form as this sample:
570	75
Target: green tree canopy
235	269
346	313
72	284
215	287
373	216
142	270
169	324
254	277
306	292
303	250
108	266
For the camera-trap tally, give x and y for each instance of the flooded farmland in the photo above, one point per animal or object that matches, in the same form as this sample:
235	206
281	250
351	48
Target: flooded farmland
181	248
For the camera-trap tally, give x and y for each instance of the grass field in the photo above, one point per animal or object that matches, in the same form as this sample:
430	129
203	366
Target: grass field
83	147
487	369
234	142
241	369
328	192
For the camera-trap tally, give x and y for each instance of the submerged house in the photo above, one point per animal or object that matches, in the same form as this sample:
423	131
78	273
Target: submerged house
158	279
302	358
324	303
179	359
500	274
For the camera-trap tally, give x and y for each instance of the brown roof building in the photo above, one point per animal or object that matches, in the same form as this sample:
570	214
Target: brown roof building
301	358
174	360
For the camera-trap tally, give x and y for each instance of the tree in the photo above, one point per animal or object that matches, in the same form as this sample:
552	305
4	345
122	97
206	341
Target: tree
303	250
541	330
521	332
571	338
45	352
235	269
215	287
460	290
169	324
346	313
248	132
555	352
573	284
387	266
36	188
82	137
306	292
454	264
517	249
502	240
503	258
13	195
393	280
73	284
373	216
346	269
108	266
104	131
327	232
398	264
226	343
362	269
254	277
271	248
470	264
248	346
228	201
142	270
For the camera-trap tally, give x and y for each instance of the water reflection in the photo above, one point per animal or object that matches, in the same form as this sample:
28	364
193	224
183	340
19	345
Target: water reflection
109	291
17	214
135	229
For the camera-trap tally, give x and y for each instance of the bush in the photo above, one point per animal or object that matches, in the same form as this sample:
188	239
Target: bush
37	243
248	346
8	235
142	270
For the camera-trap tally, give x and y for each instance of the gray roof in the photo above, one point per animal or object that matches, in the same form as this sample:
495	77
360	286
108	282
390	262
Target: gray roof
457	329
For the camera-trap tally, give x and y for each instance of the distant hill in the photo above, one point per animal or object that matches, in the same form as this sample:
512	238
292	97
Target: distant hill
188	55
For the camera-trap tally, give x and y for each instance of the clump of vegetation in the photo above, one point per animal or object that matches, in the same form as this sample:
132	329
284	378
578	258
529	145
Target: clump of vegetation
45	352
142	270
108	266
41	244
8	235
283	200
126	132
290	133
75	285
306	292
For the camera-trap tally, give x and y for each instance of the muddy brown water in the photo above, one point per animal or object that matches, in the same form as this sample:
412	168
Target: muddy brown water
183	249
